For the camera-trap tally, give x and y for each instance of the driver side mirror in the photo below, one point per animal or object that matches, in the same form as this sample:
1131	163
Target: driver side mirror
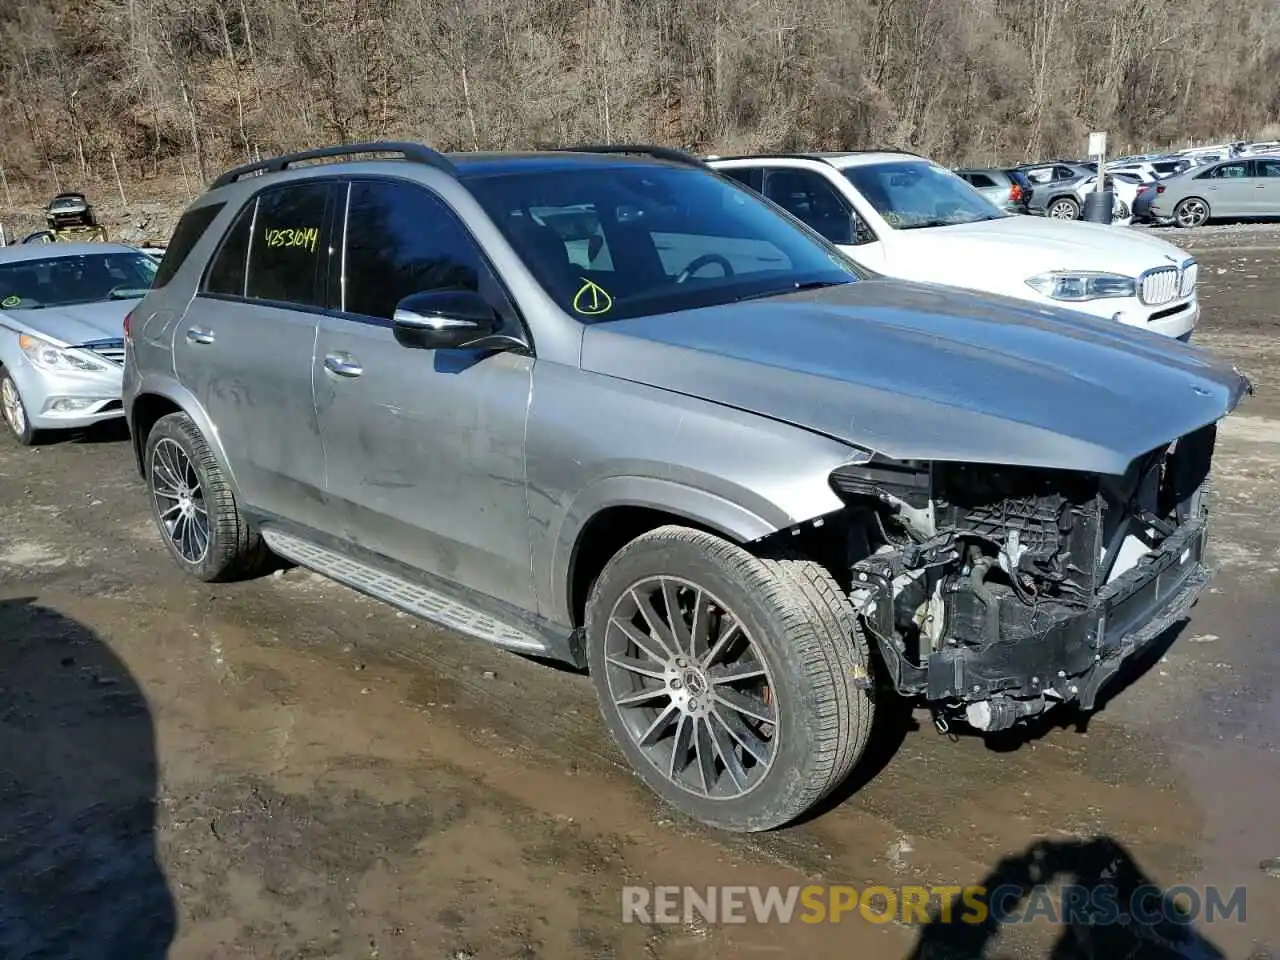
444	320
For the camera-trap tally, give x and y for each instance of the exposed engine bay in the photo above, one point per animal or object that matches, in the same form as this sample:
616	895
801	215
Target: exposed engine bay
995	592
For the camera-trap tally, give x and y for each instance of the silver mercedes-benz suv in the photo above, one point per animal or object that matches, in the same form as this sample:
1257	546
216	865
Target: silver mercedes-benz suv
607	406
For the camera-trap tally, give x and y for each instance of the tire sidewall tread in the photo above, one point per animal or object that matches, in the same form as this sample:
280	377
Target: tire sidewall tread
235	551
802	627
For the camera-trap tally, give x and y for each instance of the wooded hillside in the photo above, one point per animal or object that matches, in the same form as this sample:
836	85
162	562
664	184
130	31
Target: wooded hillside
202	84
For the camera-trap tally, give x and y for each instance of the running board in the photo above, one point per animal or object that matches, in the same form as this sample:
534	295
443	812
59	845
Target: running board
411	597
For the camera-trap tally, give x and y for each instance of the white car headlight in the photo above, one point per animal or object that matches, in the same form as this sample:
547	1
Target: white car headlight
50	356
1078	285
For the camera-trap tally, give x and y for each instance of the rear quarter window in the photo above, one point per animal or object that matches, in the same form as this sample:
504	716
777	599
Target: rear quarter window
191	227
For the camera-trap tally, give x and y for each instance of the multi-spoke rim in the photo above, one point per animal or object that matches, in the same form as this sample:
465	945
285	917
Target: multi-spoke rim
1062	210
179	498
691	688
1192	213
14	415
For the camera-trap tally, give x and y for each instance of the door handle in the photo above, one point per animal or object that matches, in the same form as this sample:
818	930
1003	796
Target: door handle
199	335
343	364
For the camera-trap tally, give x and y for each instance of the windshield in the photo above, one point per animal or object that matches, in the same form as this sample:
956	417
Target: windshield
85	278
613	242
911	194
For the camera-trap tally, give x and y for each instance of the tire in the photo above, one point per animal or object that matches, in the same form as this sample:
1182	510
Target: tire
1063	208
1191	212
230	550
14	411
813	677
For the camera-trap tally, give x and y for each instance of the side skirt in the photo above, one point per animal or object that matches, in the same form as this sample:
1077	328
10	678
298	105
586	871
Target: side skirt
424	595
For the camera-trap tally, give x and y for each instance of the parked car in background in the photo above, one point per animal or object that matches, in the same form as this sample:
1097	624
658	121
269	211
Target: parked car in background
622	413
907	217
1124	191
1246	187
62	311
1151	169
1142	203
1008	189
1054	186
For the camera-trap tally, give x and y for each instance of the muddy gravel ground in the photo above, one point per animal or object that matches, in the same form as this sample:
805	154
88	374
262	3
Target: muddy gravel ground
282	768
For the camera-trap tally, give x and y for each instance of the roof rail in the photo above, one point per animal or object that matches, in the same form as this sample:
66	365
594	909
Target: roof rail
413	152
658	153
819	156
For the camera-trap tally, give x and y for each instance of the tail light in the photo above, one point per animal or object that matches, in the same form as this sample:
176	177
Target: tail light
1015	193
127	317
1159	188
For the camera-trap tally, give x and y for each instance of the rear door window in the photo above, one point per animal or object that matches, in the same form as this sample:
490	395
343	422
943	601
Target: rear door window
289	246
752	177
191	227
811	198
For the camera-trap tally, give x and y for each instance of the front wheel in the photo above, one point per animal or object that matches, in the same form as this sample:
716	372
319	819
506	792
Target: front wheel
1064	208
1191	212
737	687
15	411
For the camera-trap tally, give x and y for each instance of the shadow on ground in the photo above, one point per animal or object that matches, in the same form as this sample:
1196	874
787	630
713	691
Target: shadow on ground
78	870
1103	887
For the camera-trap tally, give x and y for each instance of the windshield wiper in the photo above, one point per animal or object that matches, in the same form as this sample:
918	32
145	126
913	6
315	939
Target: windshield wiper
793	288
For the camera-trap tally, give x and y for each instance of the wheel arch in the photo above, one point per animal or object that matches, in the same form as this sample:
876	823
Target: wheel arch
158	398
616	511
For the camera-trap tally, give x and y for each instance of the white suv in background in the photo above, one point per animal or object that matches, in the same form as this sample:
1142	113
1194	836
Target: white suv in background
904	216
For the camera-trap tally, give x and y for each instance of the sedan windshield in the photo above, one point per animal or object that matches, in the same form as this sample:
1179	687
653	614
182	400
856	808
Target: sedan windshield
627	241
61	281
911	194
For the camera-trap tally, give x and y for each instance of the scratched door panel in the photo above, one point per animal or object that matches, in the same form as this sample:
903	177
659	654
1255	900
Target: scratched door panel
424	449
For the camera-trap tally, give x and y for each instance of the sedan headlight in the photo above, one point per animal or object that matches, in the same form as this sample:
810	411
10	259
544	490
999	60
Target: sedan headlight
1077	285
50	356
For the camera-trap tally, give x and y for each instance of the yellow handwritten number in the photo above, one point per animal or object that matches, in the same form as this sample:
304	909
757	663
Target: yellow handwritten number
592	299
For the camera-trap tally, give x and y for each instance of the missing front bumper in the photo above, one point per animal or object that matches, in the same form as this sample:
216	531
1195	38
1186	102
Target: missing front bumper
1070	660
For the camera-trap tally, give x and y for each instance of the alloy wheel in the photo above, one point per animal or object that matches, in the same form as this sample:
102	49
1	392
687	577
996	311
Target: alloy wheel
1191	213
179	499
1062	210
11	404
691	688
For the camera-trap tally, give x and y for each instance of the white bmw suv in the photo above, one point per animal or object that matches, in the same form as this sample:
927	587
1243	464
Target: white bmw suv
905	216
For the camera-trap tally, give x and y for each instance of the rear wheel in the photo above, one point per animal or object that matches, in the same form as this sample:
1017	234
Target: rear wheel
1064	208
1191	212
194	506
737	687
15	411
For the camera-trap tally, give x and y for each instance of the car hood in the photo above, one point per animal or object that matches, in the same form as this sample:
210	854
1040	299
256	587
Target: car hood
916	371
80	323
1032	245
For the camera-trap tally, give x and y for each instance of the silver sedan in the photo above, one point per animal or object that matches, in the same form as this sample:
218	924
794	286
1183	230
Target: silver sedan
1240	187
62	311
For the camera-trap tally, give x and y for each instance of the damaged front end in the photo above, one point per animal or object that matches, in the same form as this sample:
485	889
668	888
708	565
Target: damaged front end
995	592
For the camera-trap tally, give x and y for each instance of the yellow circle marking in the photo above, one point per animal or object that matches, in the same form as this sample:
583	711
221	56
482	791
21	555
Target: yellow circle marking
592	299
10	301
